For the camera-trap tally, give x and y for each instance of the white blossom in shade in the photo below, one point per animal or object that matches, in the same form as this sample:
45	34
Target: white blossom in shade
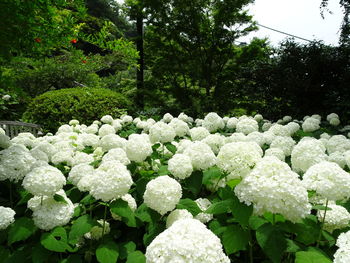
307	152
92	129
277	152
339	158
273	187
334	122
180	166
47	148
15	162
247	125
25	138
285	143
287	119
180	127
336	218
316	116
161	132
63	157
177	214
63	146
126	119
131	203
44	180
142	125
73	122
347	158
338	143
238	158
203	204
213	122
236	137
215	141
136	120
167	117
6	97
107	119
325	136
311	124
110	180
266	126
187	240
49	213
81	157
39	155
279	130
116	154
331	116
198	133
342	255
328	180
5	141
199	122
111	141
64	128
138	148
201	155
106	129
96	122
183	144
7	217
256	137
232	123
258	117
225	119
293	127
164	189
117	125
182	116
79	171
97	232
87	139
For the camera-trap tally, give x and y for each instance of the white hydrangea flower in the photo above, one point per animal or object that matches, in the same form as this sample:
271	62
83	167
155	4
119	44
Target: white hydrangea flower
182	116
65	156
277	152
15	162
96	122
73	122
47	148
92	129
213	122
316	116
293	127
338	157
232	123
108	119
6	97
39	155
81	157
182	145
106	129
161	132
215	141
199	122
238	158
180	127
338	143
273	187
187	240
180	166
236	137
336	218
5	141
247	125
307	152
97	232
202	157
169	195
332	116
311	124
111	141
126	119
225	119
286	119
48	213
25	138
87	139
266	126
258	117
279	130
131	203
79	171
203	204
110	180
116	154
347	158
138	147
328	180
7	217
177	214
44	180
284	143
64	128
334	122
117	125
198	133
256	137
167	117
342	255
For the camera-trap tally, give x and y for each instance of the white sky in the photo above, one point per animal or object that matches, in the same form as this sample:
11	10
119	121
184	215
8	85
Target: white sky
297	17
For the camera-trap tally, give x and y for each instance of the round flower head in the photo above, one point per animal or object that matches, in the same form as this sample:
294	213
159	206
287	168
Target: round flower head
232	123
81	157
49	213
39	155
107	119
92	129
97	232
311	124
338	143
256	137
116	154
187	240
266	126
177	214
293	127
339	158
279	130
277	152
198	133
161	132
285	143
167	117
88	139
202	157
336	218
238	158
7	217
213	122
44	180
112	141
342	255
247	125
25	138
203	204
138	147
332	116
215	141
79	171
334	122
64	128
286	119
180	127
182	116
15	162
169	195
106	129
328	180
4	140
180	166
182	145
236	137
65	156
258	117
126	119
131	203
306	153
272	187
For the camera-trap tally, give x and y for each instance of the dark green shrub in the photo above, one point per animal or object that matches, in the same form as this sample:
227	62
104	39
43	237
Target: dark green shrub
57	107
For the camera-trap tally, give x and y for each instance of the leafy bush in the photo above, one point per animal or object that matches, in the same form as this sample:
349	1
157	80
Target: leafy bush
54	108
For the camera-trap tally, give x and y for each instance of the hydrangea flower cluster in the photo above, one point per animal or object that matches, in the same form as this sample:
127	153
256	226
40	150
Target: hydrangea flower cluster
342	255
336	218
7	217
180	166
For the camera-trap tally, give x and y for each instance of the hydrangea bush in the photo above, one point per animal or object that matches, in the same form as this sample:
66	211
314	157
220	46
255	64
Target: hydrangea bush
178	190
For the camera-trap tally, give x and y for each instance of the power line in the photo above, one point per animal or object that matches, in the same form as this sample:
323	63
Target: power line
284	33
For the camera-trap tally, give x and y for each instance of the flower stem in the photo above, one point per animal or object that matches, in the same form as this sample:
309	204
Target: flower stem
104	222
322	224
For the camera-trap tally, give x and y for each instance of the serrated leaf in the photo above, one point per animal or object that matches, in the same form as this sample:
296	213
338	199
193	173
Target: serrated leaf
163	170
311	257
220	207
171	148
189	205
136	257
121	208
60	199
241	211
235	239
233	183
107	252
56	240
211	174
81	226
21	229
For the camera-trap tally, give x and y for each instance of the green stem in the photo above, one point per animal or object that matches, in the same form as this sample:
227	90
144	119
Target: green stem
322	224
104	222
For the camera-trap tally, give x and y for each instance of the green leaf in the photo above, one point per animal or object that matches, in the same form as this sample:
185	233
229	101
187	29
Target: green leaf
321	207
4	254
56	240
126	248
211	174
107	252
153	231
171	147
292	247
307	232
59	198
272	241
21	229
72	259
145	214
194	182
311	257
220	207
81	226
233	183
163	170
255	222
189	205
136	257
241	211
235	239
121	208
40	254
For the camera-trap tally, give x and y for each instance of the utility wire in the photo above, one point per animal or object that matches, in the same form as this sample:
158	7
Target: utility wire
281	32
